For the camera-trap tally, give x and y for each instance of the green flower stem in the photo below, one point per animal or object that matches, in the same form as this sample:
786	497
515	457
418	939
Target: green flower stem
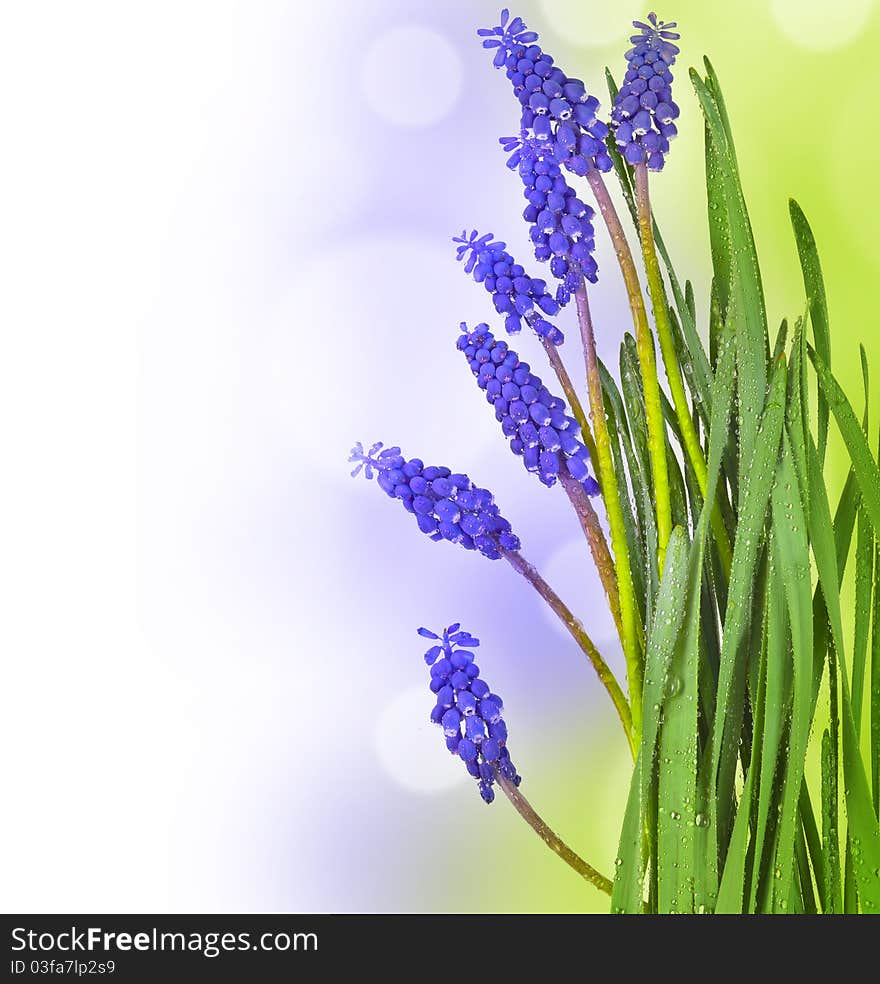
576	628
647	361
611	496
570	394
670	360
598	544
525	809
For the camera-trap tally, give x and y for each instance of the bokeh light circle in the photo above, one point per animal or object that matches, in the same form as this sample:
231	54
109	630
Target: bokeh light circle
588	25
412	76
411	749
820	25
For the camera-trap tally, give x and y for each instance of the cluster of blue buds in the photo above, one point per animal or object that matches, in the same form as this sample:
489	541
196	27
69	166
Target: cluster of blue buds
468	712
557	112
561	225
539	429
643	112
446	505
514	294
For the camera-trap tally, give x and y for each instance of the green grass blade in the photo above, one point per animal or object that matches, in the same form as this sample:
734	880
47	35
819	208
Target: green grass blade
865	468
805	881
864	582
690	301
746	291
630	379
719	230
714	87
791	552
621	447
759	477
731	892
781	338
661	645
705	836
813	839
830	840
862	620
677	766
629	866
629	875
864	830
774	707
814	286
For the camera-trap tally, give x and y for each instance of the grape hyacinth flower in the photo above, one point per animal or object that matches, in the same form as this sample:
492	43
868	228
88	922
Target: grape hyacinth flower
561	225
643	113
446	505
514	294
468	712
540	431
557	112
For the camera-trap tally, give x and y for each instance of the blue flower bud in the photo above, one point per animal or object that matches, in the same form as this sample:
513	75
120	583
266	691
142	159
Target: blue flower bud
473	728
540	430
512	291
557	111
447	506
642	115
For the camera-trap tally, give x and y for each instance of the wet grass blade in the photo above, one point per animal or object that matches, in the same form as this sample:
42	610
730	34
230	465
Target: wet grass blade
745	288
774	707
865	468
630	380
791	552
864	582
759	478
731	892
629	866
677	760
862	621
621	447
863	826
830	841
814	286
781	338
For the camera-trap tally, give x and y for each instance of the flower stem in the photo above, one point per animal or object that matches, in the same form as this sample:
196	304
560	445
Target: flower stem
552	840
670	359
575	627
570	394
598	545
647	361
613	505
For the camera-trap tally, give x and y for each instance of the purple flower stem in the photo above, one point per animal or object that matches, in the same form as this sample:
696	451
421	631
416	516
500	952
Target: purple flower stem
598	544
576	628
525	809
570	394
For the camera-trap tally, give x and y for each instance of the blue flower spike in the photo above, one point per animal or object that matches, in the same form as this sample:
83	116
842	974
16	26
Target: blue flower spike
467	711
557	111
535	421
515	295
560	224
446	505
644	113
